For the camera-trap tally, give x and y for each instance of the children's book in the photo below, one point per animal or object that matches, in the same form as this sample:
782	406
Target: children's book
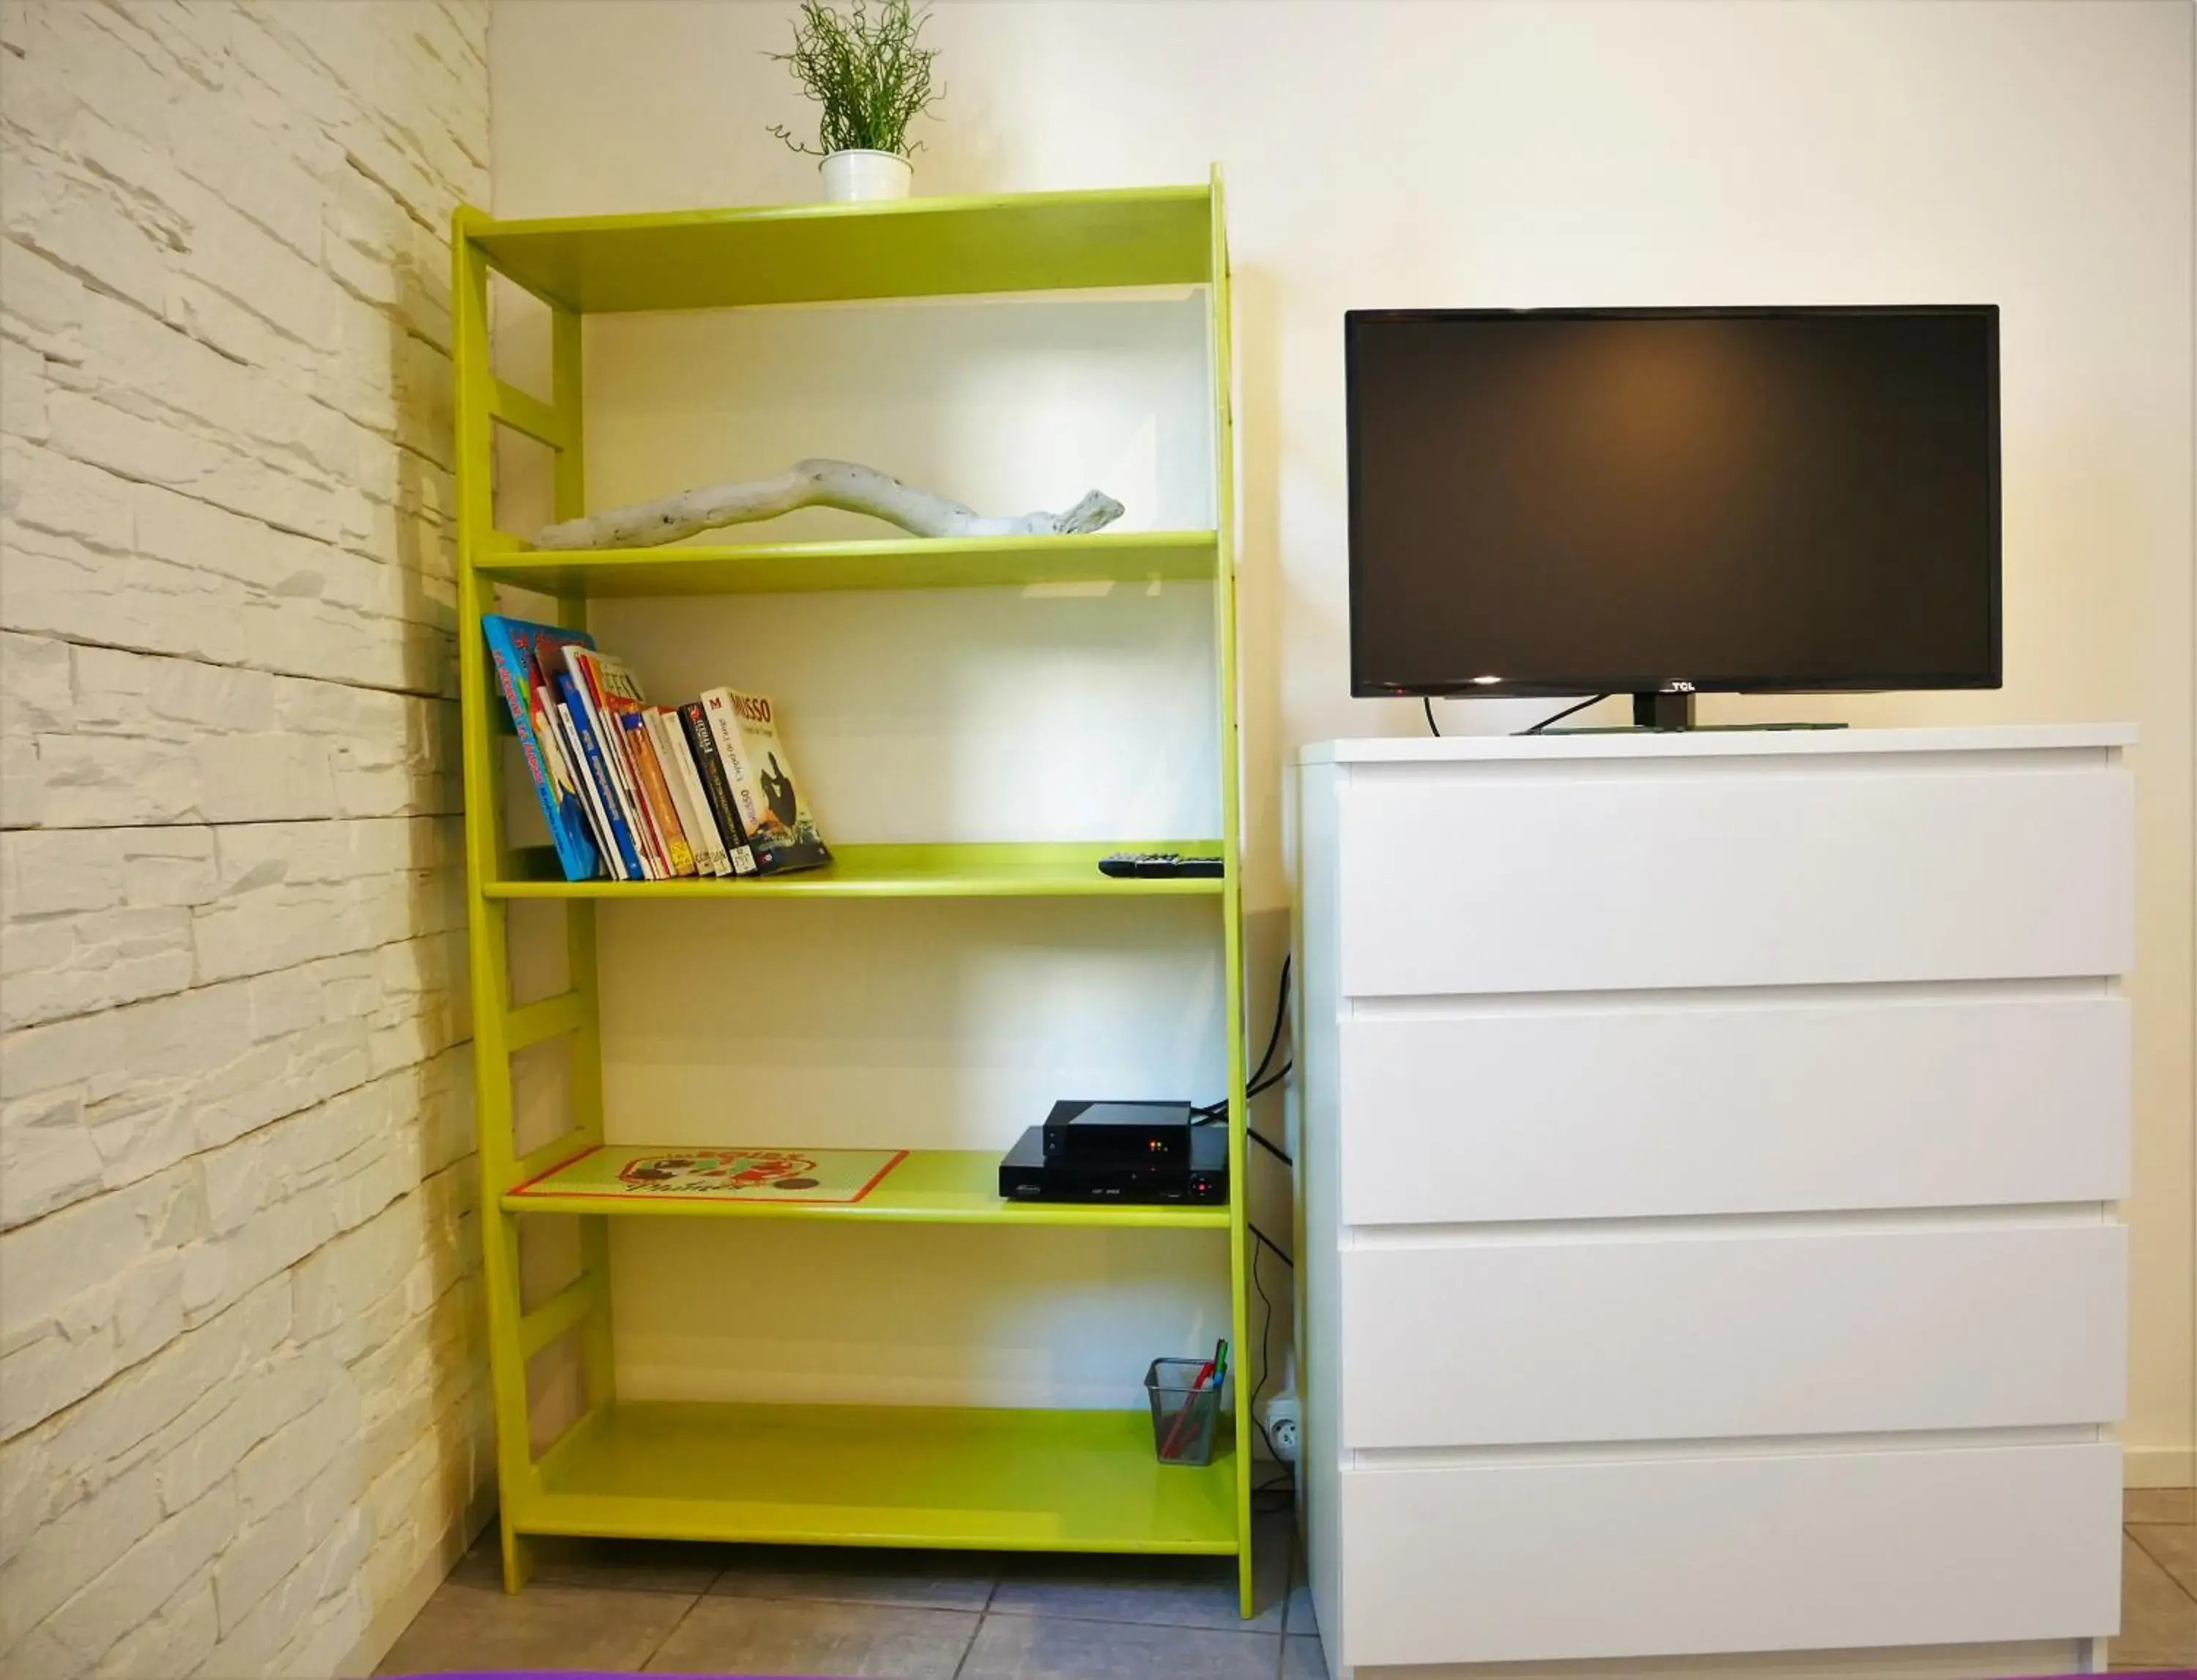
655	792
605	782
524	655
779	827
575	755
602	692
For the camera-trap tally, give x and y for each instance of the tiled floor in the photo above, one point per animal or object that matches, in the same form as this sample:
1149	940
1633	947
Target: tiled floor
2159	1580
661	1609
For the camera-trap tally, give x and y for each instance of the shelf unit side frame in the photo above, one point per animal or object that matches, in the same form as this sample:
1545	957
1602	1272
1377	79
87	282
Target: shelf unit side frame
502	1030
1240	1260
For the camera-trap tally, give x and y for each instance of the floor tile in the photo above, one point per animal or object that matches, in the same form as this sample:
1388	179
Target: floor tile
1275	1549
1151	1591
939	1580
2160	1504
1297	1615
630	1566
2172	1547
483	1564
470	1626
633	1565
1302	1658
2159	1620
1044	1648
1197	1593
756	1635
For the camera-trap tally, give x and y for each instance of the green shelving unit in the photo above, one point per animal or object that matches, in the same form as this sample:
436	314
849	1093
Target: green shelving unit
1025	1479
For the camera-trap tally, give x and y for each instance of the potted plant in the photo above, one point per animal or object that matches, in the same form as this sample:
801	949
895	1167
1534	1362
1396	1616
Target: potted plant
871	77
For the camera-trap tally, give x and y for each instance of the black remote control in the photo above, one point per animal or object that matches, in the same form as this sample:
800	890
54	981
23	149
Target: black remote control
1160	866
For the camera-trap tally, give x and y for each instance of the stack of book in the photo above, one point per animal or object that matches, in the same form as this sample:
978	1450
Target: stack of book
639	792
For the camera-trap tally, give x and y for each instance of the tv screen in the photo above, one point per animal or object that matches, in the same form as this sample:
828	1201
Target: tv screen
1573	502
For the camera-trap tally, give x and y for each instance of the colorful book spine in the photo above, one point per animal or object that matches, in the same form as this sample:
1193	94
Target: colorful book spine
513	645
656	794
619	692
619	789
597	819
694	806
694	721
606	779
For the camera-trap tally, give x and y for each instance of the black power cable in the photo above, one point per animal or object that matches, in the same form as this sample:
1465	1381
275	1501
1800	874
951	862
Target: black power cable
1274	1033
1434	729
1274	1150
1558	717
1261	1081
1287	1480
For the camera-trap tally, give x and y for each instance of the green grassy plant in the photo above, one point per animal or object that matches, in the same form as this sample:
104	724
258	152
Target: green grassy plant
869	72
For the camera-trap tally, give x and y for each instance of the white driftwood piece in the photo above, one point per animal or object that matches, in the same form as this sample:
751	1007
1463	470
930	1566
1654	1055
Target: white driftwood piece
814	483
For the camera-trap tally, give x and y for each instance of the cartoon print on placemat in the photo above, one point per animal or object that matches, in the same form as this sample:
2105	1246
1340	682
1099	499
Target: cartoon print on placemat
722	1172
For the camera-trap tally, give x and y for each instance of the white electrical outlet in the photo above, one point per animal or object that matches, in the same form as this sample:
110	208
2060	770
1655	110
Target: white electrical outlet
1278	1412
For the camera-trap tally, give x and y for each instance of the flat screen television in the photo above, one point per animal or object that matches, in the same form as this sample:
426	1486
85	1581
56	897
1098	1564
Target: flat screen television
1668	501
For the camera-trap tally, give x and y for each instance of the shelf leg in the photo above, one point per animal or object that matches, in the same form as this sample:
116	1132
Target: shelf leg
1247	1601
518	1557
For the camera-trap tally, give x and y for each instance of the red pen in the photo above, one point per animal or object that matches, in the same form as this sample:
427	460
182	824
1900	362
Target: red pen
1205	1374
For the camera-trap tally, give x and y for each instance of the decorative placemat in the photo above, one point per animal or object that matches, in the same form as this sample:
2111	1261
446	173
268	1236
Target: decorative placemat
736	1173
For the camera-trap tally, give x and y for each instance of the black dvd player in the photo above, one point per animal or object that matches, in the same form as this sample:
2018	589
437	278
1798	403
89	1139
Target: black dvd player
1118	1134
1026	1174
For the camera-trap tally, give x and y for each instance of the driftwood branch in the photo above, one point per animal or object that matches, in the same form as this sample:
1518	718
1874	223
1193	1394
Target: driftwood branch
814	483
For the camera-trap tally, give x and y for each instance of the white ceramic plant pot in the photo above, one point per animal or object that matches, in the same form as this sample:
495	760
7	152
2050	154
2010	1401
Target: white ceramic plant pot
864	177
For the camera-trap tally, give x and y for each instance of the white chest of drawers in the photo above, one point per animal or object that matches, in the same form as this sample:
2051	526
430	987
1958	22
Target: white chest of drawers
1706	1245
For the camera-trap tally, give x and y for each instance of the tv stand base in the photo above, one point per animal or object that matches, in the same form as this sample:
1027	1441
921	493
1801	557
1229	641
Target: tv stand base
1663	710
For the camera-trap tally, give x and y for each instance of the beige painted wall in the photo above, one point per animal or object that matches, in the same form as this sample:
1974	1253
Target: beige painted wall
2035	155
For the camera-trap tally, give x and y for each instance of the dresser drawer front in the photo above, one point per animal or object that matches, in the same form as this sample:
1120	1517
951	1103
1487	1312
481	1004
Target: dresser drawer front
1501	879
1691	1337
1732	1108
1517	1562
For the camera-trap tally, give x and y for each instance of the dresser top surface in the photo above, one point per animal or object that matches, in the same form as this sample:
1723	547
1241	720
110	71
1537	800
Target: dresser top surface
1716	744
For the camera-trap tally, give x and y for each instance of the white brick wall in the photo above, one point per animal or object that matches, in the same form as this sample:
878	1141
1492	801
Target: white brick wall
242	1405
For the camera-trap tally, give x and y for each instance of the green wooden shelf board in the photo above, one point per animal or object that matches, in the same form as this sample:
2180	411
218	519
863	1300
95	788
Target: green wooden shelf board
901	562
928	1187
1021	1480
806	253
1035	869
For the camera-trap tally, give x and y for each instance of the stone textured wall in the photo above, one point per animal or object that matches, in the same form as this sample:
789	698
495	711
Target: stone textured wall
242	1411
